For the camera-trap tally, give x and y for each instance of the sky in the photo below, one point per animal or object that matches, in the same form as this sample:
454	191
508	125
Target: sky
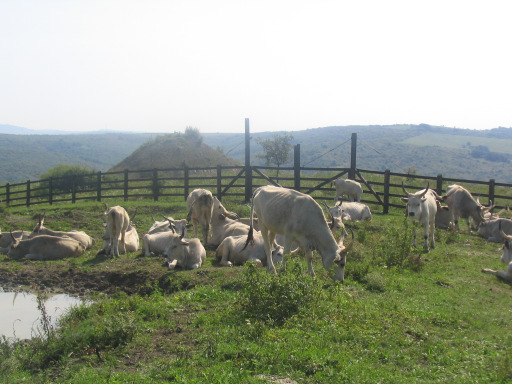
161	66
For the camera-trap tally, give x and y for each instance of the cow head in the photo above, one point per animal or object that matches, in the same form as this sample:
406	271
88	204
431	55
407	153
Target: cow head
39	226
219	209
507	247
414	202
336	218
341	260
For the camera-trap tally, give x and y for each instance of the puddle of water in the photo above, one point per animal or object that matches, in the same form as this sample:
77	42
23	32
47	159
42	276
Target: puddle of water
20	318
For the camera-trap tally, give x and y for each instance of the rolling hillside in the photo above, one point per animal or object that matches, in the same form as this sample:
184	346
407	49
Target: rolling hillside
424	149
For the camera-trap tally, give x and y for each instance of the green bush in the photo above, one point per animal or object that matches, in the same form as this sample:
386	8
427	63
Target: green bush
63	177
273	299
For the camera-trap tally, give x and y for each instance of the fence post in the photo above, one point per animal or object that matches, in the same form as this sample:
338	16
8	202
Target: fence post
28	193
353	157
492	183
385	208
185	181
50	191
219	182
155	184
125	185
7	193
439	184
296	167
73	189
98	186
248	169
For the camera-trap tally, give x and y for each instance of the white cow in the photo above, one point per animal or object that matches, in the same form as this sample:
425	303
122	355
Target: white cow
200	210
354	211
491	229
80	236
462	204
422	206
443	216
45	247
225	223
231	251
155	241
506	258
348	187
117	225
185	253
131	240
168	224
299	218
7	239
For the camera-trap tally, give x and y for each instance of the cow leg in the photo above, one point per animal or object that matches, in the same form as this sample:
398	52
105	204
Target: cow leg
504	275
425	237
225	254
309	258
123	243
145	246
173	263
268	249
34	256
414	236
469	224
432	233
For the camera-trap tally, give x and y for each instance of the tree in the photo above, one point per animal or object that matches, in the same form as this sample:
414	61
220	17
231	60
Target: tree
276	150
64	176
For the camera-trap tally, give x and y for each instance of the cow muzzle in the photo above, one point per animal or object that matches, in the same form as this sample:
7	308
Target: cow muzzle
411	214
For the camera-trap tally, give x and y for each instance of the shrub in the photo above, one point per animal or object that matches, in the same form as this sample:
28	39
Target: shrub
272	299
63	177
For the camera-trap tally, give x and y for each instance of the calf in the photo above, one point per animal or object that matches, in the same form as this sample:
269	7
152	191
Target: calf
200	210
422	206
117	225
231	251
506	258
185	253
45	247
80	236
347	187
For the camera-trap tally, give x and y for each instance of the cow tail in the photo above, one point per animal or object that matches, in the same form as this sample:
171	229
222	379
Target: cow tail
250	235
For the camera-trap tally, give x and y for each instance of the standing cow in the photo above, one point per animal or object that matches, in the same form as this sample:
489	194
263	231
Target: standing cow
347	187
117	225
422	206
299	218
200	210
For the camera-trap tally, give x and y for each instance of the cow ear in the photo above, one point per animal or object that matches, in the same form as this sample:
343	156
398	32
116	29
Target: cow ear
184	242
404	199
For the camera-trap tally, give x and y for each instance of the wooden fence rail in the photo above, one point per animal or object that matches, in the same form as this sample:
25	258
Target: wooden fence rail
381	188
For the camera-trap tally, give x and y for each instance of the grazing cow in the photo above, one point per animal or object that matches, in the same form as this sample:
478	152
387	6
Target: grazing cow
443	216
200	210
491	229
506	258
231	251
45	247
225	223
347	187
117	225
299	218
185	253
462	204
131	240
80	236
6	239
422	206
354	211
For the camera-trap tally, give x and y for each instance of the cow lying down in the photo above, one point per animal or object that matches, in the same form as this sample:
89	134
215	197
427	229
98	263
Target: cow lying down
45	247
506	258
6	239
184	253
491	229
231	251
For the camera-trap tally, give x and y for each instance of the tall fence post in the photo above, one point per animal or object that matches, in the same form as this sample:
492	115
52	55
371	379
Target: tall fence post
248	169
28	193
7	193
353	157
296	167
125	185
185	181
439	186
219	182
385	207
98	186
155	184
50	191
492	183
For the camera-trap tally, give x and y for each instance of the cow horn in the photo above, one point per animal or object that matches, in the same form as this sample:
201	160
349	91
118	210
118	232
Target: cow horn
347	248
405	190
503	234
426	190
326	206
182	233
153	219
13	236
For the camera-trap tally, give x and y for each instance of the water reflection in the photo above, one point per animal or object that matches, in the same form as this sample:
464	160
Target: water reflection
20	317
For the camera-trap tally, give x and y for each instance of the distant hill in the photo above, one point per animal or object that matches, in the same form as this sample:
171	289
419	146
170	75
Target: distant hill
424	149
174	151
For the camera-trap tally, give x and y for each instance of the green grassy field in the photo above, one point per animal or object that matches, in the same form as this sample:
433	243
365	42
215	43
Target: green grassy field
401	316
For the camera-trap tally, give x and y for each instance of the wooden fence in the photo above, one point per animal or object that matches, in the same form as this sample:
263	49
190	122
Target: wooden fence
381	188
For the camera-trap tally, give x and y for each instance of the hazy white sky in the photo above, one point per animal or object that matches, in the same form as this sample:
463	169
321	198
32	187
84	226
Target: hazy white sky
159	66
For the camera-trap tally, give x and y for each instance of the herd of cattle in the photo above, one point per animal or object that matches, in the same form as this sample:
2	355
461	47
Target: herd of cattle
281	222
